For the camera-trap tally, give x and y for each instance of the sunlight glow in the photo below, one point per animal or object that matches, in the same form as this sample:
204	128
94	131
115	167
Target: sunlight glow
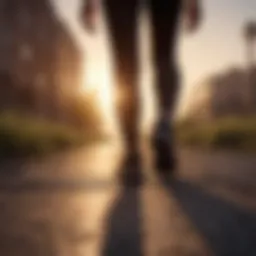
98	71
97	79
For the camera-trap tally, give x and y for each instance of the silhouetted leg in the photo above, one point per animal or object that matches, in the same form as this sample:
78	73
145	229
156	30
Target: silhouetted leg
122	18
165	18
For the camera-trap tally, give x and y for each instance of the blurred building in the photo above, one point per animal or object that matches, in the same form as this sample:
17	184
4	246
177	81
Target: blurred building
227	94
38	55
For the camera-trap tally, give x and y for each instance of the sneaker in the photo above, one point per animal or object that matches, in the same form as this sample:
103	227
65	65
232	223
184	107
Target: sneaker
163	145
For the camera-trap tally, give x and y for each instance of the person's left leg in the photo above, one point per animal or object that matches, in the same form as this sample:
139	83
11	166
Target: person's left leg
165	19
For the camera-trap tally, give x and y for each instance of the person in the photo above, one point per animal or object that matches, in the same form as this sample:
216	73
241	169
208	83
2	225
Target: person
122	19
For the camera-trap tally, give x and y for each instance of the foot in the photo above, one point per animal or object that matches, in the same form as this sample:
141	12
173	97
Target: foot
131	171
163	144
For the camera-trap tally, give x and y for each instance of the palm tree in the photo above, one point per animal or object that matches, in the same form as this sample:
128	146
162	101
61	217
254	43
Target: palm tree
250	36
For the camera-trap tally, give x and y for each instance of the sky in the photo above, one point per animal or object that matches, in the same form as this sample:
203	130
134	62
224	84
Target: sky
218	45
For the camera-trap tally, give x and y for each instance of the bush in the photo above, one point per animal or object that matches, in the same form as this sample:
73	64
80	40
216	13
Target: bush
230	133
22	135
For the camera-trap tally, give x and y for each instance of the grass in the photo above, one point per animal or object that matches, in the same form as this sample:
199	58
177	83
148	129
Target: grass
228	133
26	136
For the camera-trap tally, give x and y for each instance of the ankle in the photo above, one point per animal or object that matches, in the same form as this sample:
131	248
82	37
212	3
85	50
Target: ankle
165	116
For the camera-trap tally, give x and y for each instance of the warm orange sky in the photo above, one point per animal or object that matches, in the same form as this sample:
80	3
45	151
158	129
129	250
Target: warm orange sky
218	45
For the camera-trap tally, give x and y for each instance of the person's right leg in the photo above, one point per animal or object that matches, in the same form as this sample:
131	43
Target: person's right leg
165	19
122	19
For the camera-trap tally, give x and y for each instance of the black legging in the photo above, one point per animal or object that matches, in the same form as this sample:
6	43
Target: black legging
122	19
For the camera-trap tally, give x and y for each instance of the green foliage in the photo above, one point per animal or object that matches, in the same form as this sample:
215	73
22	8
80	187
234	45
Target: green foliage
229	133
22	135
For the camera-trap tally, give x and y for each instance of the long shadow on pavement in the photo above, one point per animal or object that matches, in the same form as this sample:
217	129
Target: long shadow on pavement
229	230
123	230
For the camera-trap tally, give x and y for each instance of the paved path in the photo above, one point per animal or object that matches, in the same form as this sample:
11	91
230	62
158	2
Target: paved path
72	205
